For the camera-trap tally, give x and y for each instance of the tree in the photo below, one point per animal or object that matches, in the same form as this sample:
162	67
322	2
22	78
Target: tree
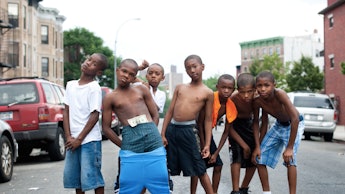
79	43
305	76
273	64
211	82
342	64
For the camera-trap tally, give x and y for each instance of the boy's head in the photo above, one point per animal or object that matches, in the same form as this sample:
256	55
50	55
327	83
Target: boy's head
225	86
246	86
155	74
126	72
194	67
94	65
265	84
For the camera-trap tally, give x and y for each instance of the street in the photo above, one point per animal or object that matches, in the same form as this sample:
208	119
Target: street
320	170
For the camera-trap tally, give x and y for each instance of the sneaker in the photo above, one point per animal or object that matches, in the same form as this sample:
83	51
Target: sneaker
171	185
244	190
116	188
236	192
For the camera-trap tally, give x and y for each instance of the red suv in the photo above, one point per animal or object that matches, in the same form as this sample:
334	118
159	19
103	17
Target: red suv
33	107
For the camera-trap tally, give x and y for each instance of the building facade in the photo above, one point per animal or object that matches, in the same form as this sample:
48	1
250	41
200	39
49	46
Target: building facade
288	49
33	44
334	33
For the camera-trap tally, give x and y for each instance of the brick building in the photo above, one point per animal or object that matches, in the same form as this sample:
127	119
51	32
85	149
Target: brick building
31	40
334	33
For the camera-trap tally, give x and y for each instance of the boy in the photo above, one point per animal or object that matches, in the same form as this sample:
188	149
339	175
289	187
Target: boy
286	132
179	122
241	134
83	101
222	105
142	154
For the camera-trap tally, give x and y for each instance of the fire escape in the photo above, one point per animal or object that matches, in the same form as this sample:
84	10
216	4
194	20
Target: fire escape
6	43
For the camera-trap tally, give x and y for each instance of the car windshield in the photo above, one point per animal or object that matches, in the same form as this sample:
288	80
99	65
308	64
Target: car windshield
313	102
11	94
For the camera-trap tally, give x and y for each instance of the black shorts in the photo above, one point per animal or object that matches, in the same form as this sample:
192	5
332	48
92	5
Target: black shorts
244	129
183	152
213	149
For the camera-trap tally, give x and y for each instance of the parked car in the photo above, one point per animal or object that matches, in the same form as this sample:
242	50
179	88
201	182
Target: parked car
115	123
8	151
320	116
33	107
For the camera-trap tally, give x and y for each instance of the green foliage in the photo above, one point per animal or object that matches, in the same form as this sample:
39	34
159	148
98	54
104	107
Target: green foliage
166	107
305	76
273	64
342	64
78	43
211	82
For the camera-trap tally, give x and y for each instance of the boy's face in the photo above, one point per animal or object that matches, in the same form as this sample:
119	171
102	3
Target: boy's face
154	75
92	65
225	88
126	74
246	93
265	87
194	69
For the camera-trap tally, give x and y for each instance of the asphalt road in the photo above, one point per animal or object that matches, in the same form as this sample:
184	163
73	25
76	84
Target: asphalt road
321	169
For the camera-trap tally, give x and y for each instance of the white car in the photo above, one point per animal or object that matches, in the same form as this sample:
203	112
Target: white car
8	151
320	115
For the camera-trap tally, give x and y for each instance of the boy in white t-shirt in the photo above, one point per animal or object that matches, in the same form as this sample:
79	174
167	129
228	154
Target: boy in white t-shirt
83	100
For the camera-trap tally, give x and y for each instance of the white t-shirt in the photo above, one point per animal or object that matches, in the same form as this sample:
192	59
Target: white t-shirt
83	100
159	98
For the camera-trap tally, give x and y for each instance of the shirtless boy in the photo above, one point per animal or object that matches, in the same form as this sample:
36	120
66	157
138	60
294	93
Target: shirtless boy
142	154
178	127
285	133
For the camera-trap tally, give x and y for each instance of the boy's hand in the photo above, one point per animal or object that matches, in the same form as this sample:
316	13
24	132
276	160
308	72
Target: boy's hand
213	158
287	156
143	65
246	152
205	153
72	143
165	141
256	155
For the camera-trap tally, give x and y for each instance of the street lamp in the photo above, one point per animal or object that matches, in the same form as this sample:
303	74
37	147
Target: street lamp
117	33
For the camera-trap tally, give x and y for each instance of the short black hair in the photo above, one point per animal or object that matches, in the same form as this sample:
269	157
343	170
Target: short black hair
130	61
245	79
226	76
193	57
104	61
266	74
159	65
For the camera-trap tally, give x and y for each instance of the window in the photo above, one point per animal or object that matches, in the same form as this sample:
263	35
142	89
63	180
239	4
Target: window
270	50
330	20
331	62
264	51
24	17
257	52
278	50
24	55
245	55
13	14
45	66
44	35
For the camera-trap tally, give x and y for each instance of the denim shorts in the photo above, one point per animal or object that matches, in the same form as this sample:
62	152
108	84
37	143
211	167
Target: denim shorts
276	140
83	167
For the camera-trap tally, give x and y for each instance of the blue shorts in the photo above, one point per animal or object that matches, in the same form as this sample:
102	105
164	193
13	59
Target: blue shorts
183	151
144	170
276	140
83	167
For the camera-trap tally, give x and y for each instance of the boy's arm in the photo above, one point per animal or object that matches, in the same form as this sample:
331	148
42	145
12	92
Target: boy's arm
151	105
257	152
208	124
222	140
106	120
294	119
169	115
201	128
264	125
66	123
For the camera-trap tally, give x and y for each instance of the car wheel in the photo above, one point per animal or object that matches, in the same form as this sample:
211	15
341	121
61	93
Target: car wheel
56	149
328	137
307	136
6	159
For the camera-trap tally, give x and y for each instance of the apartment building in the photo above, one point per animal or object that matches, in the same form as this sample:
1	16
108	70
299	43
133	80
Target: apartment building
31	40
334	33
289	49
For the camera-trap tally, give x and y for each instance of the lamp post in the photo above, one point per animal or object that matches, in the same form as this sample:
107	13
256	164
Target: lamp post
117	33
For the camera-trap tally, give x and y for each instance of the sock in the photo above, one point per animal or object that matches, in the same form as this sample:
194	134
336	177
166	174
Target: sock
266	192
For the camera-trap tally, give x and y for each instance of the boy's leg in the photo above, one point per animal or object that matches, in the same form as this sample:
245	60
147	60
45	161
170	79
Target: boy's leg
117	181
292	178
206	183
193	184
247	178
217	171
235	176
263	174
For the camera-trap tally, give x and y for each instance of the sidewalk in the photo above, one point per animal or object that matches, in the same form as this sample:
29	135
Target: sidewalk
339	133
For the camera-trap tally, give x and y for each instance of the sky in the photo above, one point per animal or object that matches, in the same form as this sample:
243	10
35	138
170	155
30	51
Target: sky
169	31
